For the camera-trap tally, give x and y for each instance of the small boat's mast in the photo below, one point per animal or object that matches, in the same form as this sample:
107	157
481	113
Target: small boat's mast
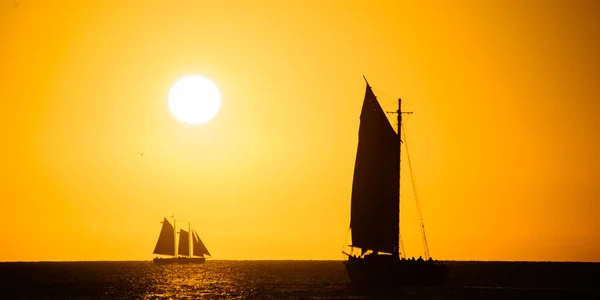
190	239
174	237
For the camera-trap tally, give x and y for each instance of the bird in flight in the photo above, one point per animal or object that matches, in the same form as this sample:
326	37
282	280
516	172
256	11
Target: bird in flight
140	153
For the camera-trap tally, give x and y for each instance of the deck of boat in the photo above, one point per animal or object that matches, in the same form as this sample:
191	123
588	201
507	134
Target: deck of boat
387	269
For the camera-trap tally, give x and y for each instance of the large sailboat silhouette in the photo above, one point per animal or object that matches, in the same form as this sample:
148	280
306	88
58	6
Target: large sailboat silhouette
375	207
166	245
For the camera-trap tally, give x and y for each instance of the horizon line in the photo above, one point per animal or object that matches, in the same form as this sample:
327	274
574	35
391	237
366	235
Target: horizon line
336	260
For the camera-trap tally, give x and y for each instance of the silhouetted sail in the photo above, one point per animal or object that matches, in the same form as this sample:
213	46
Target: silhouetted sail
199	248
374	218
166	240
184	243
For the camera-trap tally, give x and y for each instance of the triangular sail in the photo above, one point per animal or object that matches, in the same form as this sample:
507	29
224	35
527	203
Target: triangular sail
184	243
375	203
199	248
166	240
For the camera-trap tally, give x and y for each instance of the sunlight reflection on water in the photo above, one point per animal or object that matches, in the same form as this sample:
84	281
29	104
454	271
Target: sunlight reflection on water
266	280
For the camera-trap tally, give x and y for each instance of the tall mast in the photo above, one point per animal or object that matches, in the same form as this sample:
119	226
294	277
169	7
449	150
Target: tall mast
190	239
399	112
396	220
397	224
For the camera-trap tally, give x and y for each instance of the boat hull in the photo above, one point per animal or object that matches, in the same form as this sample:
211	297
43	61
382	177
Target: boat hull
164	261
388	270
197	260
179	260
191	260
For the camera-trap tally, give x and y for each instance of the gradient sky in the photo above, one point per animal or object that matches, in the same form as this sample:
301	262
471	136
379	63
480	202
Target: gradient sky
504	139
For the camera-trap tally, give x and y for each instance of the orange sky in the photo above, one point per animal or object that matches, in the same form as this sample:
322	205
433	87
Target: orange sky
504	140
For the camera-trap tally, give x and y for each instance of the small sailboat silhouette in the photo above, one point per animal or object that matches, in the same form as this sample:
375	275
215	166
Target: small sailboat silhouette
187	251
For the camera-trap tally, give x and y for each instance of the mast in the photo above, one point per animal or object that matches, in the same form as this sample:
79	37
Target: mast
190	239
397	223
174	237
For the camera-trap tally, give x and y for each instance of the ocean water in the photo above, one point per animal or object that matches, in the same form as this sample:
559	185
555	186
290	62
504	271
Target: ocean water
287	280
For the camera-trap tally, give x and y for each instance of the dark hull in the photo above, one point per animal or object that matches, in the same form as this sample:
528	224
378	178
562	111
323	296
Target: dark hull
164	261
387	270
191	260
179	260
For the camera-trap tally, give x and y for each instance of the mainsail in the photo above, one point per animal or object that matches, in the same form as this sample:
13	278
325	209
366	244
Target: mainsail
166	240
199	248
184	243
374	218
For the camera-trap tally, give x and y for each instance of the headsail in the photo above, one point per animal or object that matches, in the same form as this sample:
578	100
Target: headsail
166	240
184	243
199	248
374	219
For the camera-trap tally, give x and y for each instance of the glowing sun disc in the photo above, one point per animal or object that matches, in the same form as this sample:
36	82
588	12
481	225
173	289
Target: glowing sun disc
194	99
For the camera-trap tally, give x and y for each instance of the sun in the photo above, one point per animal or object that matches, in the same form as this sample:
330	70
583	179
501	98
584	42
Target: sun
194	99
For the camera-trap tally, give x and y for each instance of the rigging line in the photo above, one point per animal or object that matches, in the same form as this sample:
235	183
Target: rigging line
383	97
382	93
412	177
388	103
402	252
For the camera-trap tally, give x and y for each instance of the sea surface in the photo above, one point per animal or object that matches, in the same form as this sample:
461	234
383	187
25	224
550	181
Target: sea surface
287	280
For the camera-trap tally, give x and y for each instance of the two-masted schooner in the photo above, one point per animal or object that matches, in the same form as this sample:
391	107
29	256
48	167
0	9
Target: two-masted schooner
375	207
184	252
